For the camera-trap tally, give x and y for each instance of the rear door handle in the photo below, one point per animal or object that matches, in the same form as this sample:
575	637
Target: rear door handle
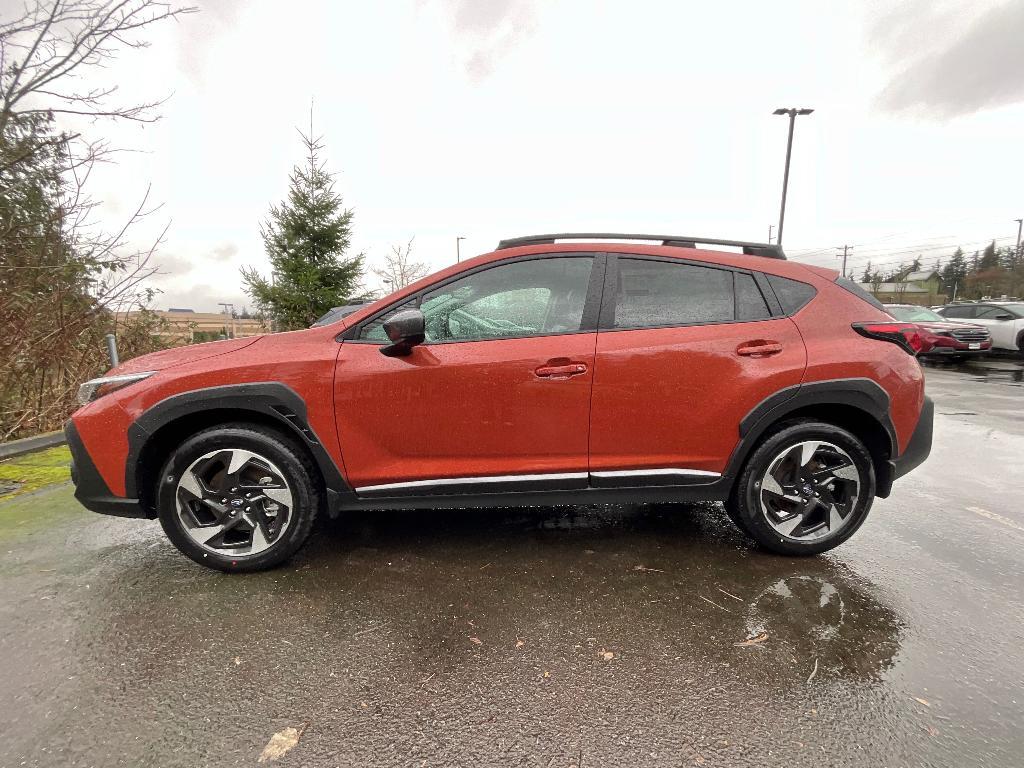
561	371
759	348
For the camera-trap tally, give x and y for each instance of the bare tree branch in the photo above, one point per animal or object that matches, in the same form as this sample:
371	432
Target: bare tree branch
399	270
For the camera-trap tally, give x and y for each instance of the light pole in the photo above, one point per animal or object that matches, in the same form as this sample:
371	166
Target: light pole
230	314
458	256
792	112
1019	223
846	249
770	228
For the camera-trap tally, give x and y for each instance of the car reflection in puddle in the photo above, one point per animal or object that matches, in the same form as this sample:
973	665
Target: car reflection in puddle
826	620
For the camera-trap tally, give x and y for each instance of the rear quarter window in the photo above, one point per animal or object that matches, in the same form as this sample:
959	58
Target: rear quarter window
792	294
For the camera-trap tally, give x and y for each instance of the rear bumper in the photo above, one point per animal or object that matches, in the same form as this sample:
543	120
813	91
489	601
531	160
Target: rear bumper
90	488
947	351
920	444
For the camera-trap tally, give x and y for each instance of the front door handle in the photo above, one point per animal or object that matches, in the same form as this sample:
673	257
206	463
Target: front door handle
758	348
561	371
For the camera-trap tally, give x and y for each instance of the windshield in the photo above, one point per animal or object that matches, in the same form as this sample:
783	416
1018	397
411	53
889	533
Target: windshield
914	314
1015	309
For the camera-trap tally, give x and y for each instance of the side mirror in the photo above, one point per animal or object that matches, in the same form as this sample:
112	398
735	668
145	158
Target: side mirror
406	330
1004	316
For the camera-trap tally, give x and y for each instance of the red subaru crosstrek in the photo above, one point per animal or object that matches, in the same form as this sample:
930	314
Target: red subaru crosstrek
545	372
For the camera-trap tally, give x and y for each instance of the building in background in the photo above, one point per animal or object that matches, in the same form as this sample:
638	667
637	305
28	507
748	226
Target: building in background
186	326
923	288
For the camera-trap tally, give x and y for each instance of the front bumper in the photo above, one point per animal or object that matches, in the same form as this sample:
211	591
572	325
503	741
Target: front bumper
90	488
959	352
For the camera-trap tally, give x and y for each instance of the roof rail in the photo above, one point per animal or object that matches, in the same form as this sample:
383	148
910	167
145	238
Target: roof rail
680	241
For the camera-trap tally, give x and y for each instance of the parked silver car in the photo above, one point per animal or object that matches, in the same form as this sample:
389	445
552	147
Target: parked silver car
1004	320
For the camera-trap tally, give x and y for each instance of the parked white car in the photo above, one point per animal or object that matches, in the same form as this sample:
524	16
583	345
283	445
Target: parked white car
1004	320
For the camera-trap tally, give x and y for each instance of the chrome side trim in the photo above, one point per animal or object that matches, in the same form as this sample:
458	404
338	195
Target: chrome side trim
656	473
472	481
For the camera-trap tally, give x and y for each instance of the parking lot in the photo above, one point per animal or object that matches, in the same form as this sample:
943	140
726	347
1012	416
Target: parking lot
592	636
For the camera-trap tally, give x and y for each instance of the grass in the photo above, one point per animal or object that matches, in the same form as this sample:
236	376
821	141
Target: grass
34	471
21	513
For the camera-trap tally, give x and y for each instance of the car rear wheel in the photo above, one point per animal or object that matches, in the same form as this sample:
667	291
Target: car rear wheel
238	498
805	489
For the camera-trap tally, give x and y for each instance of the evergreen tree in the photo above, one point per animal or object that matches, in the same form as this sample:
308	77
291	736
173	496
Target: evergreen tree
866	277
954	274
988	258
306	239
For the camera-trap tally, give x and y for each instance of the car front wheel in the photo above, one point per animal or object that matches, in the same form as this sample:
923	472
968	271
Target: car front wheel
238	497
804	490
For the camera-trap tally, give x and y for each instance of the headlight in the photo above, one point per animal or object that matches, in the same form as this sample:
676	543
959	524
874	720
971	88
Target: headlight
95	388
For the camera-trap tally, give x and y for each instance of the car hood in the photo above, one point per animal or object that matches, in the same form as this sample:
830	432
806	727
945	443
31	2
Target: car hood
168	358
930	325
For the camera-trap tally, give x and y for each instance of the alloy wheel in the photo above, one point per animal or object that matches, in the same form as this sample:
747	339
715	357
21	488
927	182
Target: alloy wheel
809	490
234	502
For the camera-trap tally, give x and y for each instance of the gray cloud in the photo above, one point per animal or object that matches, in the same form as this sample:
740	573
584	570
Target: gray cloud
177	265
490	29
200	297
202	29
981	67
224	252
171	264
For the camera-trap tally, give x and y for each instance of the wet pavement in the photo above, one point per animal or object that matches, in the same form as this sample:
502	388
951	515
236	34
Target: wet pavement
597	636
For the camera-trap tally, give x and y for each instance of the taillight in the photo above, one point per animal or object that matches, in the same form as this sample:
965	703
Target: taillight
912	338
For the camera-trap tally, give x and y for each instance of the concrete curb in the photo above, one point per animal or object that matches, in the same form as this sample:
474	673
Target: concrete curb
30	444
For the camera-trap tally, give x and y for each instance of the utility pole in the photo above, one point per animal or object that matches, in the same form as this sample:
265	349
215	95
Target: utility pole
1019	223
770	228
845	249
231	314
792	112
458	255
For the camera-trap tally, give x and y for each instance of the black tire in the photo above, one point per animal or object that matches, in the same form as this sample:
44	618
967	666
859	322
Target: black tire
295	468
732	509
745	507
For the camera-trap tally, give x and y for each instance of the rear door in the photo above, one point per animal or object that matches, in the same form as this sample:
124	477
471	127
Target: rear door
684	351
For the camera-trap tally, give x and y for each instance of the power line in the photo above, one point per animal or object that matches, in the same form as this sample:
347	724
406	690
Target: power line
892	257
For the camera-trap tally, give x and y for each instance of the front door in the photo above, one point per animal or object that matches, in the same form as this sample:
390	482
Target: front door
684	352
1000	324
496	399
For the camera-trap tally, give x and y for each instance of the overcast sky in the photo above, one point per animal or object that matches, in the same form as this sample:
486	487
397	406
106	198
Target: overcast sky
496	118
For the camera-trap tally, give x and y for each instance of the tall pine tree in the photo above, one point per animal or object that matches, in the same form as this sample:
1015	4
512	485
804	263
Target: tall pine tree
306	238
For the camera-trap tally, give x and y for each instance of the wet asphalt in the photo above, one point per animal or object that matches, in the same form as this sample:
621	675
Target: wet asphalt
590	636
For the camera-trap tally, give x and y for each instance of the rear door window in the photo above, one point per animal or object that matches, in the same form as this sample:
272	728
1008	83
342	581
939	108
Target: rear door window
961	312
652	294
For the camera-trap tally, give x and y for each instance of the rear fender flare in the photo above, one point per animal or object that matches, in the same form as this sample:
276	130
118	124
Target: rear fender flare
862	394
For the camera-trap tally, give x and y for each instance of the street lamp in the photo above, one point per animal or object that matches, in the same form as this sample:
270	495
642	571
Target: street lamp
792	112
457	254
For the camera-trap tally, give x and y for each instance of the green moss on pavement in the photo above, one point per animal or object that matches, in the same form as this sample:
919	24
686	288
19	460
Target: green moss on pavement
34	471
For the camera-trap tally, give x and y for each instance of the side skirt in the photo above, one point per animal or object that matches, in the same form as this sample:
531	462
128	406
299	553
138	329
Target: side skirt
631	488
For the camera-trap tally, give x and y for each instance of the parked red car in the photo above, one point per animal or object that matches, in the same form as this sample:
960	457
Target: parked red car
953	341
545	372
